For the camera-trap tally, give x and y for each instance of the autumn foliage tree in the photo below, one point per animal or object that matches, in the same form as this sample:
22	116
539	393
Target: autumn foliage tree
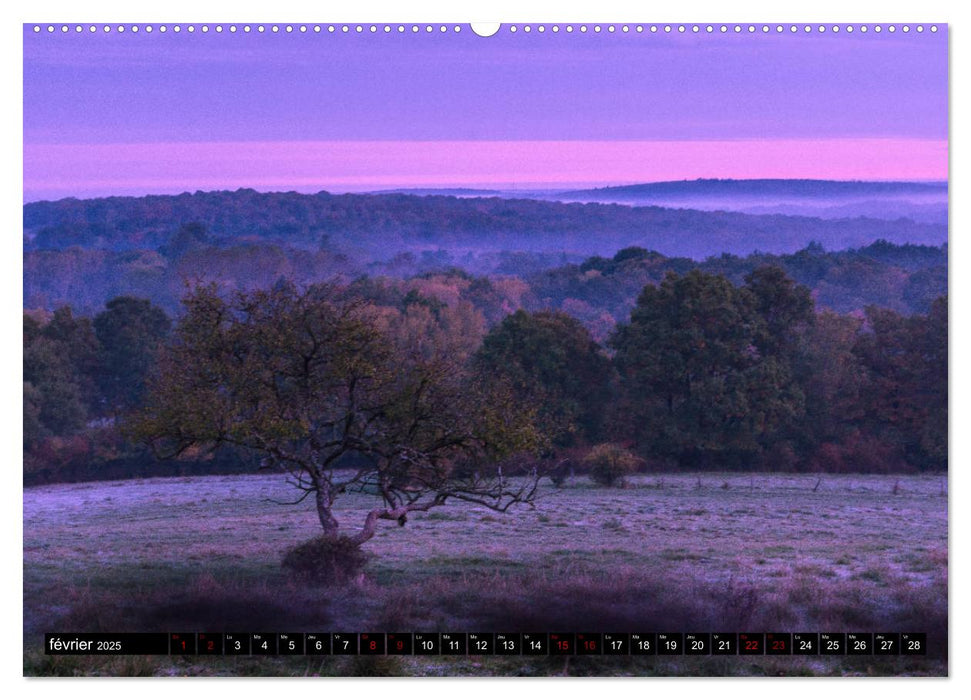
905	365
341	395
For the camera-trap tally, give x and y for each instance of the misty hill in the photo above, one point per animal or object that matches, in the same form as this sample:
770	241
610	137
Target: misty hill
373	227
874	209
445	191
829	199
799	189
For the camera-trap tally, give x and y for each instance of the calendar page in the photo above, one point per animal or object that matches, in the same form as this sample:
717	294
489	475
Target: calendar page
518	349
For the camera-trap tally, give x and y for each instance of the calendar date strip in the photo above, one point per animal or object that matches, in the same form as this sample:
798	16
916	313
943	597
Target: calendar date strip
489	644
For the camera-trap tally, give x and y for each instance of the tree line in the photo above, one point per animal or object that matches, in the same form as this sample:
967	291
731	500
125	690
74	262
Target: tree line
401	221
600	291
703	374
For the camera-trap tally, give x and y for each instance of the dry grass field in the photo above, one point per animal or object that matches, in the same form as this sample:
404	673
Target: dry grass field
715	552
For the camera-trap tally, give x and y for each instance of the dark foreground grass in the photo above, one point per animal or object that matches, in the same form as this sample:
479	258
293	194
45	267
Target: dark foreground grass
578	666
594	601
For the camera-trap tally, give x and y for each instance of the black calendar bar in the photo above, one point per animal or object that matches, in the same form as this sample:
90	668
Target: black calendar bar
488	643
61	644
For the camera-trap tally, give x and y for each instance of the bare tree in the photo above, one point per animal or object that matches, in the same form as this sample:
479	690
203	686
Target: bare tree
317	383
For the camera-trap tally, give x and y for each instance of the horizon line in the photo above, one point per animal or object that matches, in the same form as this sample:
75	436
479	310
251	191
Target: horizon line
485	187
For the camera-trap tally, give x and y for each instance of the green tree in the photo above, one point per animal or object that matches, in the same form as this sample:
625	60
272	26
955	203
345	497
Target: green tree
830	376
696	387
551	360
76	338
58	362
934	384
787	311
319	385
34	429
130	332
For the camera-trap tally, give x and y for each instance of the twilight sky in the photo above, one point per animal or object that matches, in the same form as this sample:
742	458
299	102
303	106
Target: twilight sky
127	113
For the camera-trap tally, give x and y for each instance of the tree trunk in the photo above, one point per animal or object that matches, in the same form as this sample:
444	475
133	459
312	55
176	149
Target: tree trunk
327	519
370	526
371	521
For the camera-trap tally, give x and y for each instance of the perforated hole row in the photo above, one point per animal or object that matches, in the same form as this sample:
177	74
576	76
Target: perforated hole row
511	28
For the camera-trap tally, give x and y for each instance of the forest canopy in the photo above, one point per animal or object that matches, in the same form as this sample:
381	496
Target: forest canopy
603	320
703	374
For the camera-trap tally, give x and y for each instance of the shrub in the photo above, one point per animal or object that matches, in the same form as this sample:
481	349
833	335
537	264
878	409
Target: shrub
859	453
326	559
609	464
58	453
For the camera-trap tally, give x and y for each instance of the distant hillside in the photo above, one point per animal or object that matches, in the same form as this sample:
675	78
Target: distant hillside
825	199
768	188
874	209
444	191
379	226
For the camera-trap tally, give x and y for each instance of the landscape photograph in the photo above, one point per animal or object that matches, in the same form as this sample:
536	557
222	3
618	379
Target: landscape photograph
446	350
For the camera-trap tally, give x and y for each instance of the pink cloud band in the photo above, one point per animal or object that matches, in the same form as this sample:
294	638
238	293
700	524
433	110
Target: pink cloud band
61	170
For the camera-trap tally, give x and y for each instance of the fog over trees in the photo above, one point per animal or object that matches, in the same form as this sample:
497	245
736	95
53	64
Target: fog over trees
174	322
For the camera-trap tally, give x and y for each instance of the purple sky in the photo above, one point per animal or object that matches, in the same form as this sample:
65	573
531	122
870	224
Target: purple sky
138	113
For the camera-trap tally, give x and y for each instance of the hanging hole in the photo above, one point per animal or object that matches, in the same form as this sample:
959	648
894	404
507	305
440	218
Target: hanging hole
485	28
